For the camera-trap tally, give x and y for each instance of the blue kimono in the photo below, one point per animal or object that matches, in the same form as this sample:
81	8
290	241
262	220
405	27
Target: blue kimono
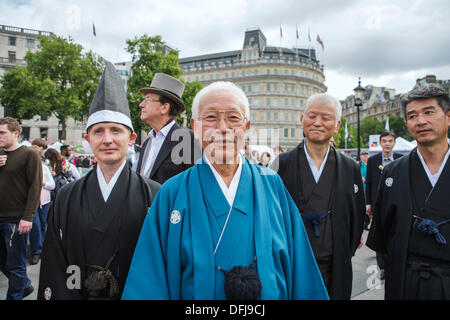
174	257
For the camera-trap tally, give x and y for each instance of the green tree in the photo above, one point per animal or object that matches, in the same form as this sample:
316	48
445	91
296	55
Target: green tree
189	93
339	138
147	59
368	127
58	80
397	125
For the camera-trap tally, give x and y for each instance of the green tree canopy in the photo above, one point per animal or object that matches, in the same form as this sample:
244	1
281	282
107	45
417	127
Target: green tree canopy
59	79
147	59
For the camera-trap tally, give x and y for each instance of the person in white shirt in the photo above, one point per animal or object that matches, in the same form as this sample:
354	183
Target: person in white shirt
170	149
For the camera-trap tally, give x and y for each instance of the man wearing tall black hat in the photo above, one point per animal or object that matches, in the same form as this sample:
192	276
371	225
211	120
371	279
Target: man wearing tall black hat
170	149
95	222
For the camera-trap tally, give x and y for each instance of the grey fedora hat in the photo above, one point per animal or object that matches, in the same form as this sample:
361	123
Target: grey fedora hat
168	87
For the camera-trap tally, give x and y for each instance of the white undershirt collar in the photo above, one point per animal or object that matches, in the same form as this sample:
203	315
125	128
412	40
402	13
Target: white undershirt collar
316	173
105	187
228	192
433	177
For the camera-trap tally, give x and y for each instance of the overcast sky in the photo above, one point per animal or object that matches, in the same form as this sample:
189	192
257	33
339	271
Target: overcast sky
386	43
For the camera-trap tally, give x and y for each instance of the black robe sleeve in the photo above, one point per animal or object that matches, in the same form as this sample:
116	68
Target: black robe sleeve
53	274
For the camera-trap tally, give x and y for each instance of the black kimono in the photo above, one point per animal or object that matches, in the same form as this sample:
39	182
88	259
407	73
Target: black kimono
84	232
343	226
418	263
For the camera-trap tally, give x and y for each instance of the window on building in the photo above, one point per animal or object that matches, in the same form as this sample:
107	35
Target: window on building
243	73
286	116
292	132
268	87
275	87
268	71
249	88
275	102
43	133
232	74
30	43
268	116
217	76
255	102
256	72
292	102
275	116
286	102
302	103
275	71
12	41
253	116
226	75
276	133
292	116
286	132
268	102
25	133
11	56
255	88
292	88
268	132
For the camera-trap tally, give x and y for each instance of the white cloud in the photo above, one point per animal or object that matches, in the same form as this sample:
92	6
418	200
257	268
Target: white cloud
387	43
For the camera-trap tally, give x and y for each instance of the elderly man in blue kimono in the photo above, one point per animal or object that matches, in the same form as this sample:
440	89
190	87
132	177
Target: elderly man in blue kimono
225	228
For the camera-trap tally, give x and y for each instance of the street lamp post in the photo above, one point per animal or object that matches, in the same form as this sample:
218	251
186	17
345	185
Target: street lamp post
359	94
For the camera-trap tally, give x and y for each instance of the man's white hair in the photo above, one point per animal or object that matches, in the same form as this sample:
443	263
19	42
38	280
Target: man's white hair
220	86
326	99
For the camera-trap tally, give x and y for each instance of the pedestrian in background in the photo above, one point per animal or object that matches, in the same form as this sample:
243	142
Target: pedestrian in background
39	228
20	189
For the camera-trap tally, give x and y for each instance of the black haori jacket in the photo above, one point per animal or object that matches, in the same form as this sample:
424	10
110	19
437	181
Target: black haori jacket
84	230
347	213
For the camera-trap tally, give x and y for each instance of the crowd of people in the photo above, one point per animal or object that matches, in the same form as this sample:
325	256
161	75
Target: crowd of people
193	218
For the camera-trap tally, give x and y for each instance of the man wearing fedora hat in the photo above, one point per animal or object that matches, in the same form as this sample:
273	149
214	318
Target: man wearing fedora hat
170	149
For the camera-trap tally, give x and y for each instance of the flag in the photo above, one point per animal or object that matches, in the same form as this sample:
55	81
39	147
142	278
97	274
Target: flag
320	42
346	131
281	32
386	127
93	30
296	29
309	35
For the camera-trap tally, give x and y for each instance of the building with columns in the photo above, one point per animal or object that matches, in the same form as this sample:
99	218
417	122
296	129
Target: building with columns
15	42
276	80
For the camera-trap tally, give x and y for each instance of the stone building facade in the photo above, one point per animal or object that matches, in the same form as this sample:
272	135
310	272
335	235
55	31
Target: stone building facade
276	80
15	42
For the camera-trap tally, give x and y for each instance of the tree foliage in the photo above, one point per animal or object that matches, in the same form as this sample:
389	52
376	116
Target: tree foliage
58	80
147	59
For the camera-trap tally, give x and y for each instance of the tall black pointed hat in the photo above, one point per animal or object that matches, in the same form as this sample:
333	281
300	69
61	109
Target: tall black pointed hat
110	102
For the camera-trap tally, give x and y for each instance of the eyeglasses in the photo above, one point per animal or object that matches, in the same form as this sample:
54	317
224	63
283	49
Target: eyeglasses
149	100
232	118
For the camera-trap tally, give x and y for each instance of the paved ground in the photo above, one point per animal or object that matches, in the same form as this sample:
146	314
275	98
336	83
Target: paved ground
366	285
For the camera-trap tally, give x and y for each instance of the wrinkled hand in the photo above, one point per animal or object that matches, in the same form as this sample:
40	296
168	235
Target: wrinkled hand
24	226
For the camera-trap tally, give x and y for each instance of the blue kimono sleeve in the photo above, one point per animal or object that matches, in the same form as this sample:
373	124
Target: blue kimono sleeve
147	277
306	282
